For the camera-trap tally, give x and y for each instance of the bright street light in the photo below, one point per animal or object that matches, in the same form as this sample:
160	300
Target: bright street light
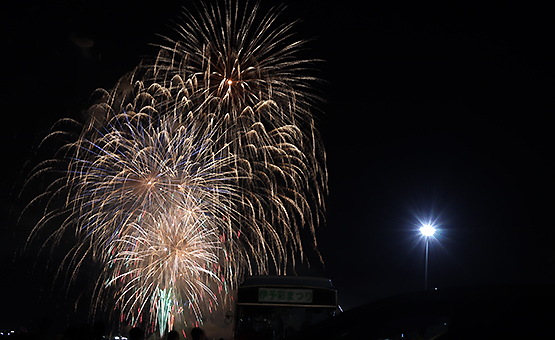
427	230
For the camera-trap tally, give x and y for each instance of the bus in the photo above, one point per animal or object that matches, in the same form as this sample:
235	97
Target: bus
275	307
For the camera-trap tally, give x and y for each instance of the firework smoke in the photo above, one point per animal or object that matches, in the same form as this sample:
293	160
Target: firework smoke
196	169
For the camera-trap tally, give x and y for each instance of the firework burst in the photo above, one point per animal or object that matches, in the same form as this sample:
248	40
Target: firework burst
174	256
194	170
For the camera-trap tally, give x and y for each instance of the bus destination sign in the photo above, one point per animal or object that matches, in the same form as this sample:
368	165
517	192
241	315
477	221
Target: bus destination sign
283	295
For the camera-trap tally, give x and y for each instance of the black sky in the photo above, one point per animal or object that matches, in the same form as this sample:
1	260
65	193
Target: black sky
429	111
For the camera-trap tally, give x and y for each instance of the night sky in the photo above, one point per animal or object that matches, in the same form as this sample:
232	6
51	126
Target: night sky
429	113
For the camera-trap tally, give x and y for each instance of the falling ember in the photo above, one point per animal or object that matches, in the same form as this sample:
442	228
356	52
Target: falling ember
245	161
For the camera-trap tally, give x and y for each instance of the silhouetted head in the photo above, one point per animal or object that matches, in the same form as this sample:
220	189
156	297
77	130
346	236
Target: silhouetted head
197	334
136	333
173	335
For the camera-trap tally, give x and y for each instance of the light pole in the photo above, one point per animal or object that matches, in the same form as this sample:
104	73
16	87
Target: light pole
427	230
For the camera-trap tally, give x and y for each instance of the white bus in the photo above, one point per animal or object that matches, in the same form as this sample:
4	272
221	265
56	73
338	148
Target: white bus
275	307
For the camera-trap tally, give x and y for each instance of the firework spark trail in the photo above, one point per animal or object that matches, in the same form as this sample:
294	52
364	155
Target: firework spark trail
195	169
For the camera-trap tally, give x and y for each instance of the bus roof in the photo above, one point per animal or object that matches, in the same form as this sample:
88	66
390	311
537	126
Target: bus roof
283	280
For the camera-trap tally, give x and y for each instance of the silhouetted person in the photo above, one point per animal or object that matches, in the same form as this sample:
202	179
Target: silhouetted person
173	335
86	332
98	330
45	329
71	333
197	334
136	333
421	334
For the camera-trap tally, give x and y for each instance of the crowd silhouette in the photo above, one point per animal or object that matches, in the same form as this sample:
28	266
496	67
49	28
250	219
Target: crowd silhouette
43	330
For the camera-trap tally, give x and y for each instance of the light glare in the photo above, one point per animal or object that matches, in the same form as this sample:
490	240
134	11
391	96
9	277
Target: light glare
427	230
